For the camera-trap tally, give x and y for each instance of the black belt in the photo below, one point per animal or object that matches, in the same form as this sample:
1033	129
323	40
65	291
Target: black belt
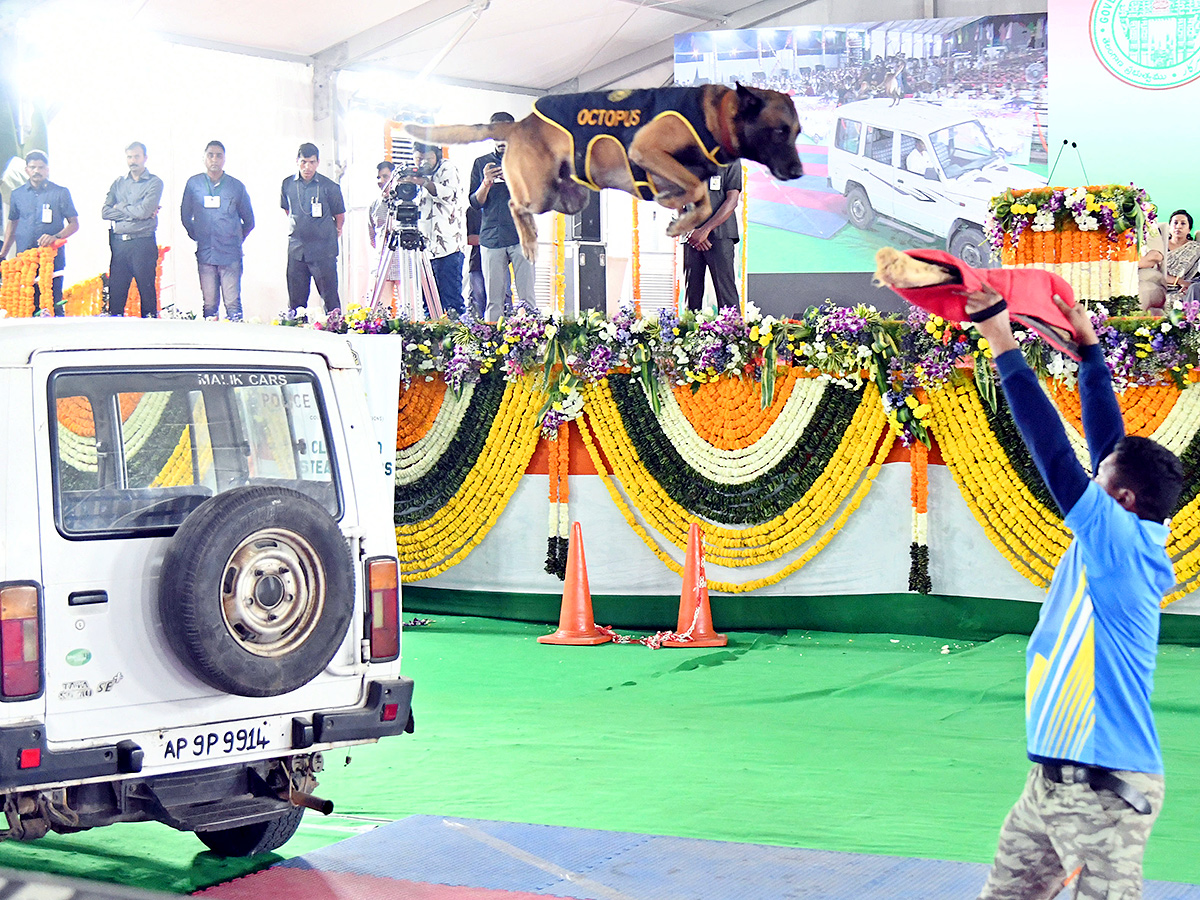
1098	779
132	237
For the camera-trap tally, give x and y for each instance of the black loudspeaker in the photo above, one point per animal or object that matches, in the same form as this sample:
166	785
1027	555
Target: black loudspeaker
585	224
586	286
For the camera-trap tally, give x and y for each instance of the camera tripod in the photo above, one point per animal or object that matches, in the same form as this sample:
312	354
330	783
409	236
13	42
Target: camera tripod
417	286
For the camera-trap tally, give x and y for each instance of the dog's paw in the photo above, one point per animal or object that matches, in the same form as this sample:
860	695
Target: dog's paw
530	252
682	223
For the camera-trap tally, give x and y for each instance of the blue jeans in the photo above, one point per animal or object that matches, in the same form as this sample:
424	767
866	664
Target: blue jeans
447	272
221	281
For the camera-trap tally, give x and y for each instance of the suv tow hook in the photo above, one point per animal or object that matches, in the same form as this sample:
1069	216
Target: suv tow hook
308	801
129	757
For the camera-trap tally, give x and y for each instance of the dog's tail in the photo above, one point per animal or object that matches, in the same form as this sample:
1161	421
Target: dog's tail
459	134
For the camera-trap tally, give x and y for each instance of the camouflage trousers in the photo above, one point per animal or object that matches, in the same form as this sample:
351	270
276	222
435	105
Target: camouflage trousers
1072	836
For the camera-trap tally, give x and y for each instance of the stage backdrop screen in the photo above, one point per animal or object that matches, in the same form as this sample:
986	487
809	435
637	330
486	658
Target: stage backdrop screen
908	128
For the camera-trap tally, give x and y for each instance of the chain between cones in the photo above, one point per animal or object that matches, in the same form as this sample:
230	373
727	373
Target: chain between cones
655	641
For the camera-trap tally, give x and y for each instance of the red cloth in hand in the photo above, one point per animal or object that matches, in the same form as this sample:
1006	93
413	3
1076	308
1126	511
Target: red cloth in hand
1028	292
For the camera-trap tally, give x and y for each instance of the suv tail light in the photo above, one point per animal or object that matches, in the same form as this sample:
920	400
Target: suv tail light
383	608
20	641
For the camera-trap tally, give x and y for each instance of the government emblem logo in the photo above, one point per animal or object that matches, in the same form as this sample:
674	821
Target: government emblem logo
1153	44
618	96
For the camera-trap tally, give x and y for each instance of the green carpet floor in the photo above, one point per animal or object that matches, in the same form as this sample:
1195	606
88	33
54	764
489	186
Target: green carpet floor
912	746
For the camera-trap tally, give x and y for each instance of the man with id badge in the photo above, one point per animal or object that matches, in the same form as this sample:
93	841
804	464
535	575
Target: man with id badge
40	213
316	213
711	246
217	215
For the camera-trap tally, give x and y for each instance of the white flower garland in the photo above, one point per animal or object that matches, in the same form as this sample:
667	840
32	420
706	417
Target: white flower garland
748	463
1181	423
417	460
143	420
79	451
1175	432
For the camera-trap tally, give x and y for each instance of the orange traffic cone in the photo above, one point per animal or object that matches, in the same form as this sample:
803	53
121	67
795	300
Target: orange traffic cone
576	626
695	627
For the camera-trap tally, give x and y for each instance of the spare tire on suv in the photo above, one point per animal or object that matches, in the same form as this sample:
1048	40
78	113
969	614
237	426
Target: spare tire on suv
257	591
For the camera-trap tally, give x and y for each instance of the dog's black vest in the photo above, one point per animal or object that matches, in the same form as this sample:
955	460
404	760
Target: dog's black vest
587	118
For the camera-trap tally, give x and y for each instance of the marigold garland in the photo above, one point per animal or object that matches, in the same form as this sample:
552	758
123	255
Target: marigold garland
1144	407
752	459
27	273
140	414
416	460
420	402
558	280
918	573
726	546
559	521
1028	534
178	469
133	303
861	480
726	413
85	298
434	544
740	487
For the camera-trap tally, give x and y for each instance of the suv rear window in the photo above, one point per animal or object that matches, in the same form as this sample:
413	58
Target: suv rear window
137	450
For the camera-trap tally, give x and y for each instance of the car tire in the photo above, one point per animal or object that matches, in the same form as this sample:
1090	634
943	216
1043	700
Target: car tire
257	591
250	840
859	209
971	246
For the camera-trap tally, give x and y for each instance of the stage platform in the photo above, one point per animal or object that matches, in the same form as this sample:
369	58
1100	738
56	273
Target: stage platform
437	858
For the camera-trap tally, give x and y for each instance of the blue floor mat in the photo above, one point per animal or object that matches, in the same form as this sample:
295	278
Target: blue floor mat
609	865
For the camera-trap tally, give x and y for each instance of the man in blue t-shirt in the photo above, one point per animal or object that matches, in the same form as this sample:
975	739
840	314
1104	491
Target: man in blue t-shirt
40	213
216	214
1096	786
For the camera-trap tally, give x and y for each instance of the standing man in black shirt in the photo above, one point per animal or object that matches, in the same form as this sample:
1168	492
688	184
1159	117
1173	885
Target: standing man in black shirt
498	234
41	212
132	208
316	214
711	246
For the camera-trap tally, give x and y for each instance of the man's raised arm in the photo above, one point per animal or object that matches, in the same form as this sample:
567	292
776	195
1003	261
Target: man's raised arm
1036	418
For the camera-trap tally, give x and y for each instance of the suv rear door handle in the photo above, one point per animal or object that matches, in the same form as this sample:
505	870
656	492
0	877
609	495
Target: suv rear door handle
86	598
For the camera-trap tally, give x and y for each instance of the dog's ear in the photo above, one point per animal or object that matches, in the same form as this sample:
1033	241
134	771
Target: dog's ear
750	101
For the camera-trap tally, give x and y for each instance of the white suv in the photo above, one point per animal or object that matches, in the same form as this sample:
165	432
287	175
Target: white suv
199	589
926	168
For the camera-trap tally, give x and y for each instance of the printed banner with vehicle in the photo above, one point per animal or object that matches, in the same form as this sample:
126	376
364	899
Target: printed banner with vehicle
908	128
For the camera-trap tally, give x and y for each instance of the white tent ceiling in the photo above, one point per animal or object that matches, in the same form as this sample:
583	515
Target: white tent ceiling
523	45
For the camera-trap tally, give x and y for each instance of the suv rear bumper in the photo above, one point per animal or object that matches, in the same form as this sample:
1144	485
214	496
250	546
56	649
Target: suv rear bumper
25	760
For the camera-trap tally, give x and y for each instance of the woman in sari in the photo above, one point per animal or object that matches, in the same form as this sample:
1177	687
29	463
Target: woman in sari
1179	266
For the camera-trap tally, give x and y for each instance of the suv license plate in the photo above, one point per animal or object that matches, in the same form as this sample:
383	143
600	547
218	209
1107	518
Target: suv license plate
219	741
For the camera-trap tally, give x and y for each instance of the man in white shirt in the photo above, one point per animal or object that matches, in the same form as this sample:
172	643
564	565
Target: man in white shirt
442	222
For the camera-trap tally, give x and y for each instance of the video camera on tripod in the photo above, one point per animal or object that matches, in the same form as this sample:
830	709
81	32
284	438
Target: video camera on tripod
400	194
416	289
